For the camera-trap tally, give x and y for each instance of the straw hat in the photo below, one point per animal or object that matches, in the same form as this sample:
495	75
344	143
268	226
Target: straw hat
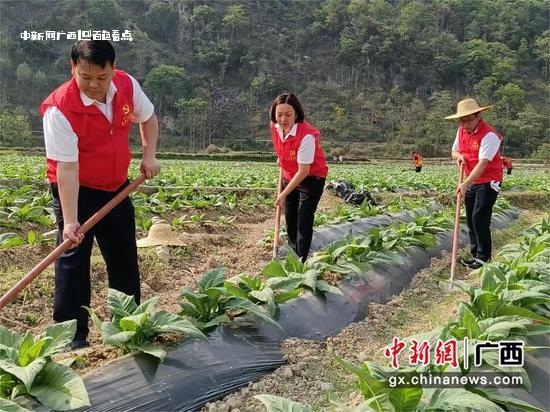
160	234
466	107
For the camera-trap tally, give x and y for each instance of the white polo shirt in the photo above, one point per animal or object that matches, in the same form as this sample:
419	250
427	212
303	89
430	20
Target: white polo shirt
306	151
60	139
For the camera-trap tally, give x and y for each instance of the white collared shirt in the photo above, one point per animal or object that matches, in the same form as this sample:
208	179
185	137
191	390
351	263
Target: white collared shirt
60	139
306	151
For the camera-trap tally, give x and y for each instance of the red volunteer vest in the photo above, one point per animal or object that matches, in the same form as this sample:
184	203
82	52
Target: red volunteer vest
469	145
103	148
287	151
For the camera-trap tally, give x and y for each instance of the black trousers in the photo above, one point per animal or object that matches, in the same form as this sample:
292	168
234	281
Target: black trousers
116	237
300	206
479	201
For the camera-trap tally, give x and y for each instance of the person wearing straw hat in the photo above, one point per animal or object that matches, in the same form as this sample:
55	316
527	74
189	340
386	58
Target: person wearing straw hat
87	122
304	167
476	147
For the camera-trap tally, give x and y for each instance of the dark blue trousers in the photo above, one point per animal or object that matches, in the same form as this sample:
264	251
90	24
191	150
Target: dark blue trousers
479	201
116	237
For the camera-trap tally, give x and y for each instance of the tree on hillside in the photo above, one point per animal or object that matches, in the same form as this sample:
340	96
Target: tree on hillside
438	131
162	22
167	84
191	122
104	15
14	128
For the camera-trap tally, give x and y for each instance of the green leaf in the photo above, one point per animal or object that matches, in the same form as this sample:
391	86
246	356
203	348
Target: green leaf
26	343
147	306
212	279
218	320
469	322
165	322
9	338
310	279
7	383
18	390
523	312
134	323
60	388
8	240
264	295
486	303
492	358
278	404
95	319
523	297
376	389
283	284
234	290
405	399
274	269
119	338
78	361
189	310
199	300
533	330
254	283
29	354
153	351
488	281
25	374
61	333
254	309
120	304
459	399
31	237
513	403
7	405
214	294
500	331
465	287
283	297
366	406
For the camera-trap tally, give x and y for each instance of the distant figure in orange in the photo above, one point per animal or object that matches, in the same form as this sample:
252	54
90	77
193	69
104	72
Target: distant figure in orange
417	159
508	165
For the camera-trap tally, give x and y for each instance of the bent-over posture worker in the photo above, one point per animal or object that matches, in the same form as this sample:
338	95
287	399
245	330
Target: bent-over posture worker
87	123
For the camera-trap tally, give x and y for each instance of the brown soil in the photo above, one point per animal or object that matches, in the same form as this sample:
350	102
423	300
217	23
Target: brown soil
165	270
312	377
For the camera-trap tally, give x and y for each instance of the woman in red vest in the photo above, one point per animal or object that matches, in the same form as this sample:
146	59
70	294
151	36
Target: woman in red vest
477	147
304	167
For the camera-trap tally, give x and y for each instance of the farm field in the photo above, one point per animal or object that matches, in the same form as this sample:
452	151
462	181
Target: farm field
223	213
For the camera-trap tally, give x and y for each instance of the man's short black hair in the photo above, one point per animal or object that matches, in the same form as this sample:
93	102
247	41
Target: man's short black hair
98	52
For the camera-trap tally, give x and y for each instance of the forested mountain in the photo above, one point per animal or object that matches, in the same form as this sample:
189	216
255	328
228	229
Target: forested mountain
368	71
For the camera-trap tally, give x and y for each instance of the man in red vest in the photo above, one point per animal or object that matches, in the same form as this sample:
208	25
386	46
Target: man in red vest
477	147
87	122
